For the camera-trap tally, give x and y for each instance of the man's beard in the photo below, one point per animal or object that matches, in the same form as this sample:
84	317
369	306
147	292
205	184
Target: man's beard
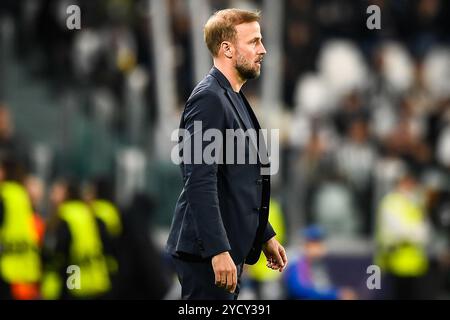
245	70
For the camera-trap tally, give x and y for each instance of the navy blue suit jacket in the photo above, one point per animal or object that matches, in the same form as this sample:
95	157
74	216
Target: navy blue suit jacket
222	207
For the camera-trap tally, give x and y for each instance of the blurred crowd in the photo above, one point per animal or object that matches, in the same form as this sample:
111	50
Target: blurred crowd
365	147
70	240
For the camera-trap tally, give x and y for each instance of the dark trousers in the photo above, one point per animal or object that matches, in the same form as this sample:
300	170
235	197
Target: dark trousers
198	281
407	288
5	290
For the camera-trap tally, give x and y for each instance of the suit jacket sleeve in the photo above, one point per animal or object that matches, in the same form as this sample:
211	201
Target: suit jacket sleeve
201	179
268	233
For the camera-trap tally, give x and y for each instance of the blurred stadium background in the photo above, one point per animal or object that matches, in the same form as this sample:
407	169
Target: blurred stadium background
356	108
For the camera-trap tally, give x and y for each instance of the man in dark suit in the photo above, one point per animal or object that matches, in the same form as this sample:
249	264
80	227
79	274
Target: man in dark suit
221	217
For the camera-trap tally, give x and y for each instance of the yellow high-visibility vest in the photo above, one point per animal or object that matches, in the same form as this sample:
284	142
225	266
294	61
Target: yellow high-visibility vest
259	271
19	252
86	249
108	213
399	257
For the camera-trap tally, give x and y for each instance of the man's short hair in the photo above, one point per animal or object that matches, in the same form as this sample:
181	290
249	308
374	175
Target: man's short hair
221	26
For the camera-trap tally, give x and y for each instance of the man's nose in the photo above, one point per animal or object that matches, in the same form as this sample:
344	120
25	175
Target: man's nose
262	50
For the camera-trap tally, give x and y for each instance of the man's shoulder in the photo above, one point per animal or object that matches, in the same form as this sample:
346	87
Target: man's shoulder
207	88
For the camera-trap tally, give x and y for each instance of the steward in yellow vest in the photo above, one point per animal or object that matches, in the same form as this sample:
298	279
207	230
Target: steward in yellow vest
77	266
20	264
402	233
99	196
107	212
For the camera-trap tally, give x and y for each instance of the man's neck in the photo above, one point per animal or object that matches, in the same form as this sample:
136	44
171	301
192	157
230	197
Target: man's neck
232	76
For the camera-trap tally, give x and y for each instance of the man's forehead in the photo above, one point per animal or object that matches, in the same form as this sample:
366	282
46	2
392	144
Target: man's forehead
248	30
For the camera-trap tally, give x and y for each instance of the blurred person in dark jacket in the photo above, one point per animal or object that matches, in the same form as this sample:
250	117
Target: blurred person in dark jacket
76	248
11	145
307	278
142	273
355	159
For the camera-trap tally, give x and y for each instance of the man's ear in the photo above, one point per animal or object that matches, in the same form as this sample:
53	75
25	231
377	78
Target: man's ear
227	49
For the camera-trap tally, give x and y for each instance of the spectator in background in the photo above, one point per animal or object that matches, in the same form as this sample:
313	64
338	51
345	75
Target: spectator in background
11	145
355	160
313	164
142	272
300	40
407	139
402	234
351	109
307	277
181	31
334	208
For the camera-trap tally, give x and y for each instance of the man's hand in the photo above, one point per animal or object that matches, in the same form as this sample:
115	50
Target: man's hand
275	255
225	271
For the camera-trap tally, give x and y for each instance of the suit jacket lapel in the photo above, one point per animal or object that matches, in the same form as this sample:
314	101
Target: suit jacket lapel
247	125
262	146
250	112
235	103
